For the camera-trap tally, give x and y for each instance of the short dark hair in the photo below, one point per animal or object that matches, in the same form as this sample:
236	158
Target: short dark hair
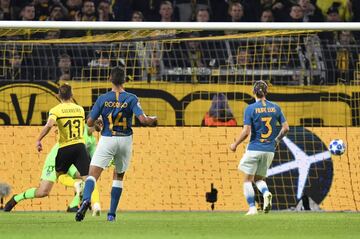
140	14
332	9
295	5
267	10
260	88
65	92
234	3
88	1
166	2
56	5
64	55
203	9
117	76
105	1
29	5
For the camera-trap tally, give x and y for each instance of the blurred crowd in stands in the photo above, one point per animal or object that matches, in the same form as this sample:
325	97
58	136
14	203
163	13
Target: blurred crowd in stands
338	58
182	10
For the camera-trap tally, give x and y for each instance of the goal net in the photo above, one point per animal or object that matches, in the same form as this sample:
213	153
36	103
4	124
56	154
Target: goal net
196	78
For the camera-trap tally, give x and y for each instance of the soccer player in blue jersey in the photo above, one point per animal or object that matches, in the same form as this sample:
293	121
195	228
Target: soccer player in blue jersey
116	108
260	120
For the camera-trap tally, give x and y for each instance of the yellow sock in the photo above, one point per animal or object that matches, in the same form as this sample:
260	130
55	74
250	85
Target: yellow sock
66	180
95	196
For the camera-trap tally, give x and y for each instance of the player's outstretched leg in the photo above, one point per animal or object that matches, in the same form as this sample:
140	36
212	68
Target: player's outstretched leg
10	204
28	194
250	198
263	188
42	191
89	188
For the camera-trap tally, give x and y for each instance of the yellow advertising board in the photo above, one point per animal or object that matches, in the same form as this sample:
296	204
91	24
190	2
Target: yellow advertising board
187	104
172	168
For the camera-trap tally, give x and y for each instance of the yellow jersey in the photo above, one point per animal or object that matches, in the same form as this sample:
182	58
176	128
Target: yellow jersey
344	13
70	120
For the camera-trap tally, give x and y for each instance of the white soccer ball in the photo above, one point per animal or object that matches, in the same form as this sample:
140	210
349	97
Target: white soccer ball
337	147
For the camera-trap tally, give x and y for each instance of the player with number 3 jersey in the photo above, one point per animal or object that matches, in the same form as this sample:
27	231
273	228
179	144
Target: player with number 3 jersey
260	119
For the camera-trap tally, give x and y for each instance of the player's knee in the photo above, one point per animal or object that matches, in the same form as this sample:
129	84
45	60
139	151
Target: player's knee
42	193
77	175
248	178
258	178
118	176
95	171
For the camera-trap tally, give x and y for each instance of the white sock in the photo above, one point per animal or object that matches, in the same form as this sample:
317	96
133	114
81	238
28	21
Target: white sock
249	194
262	186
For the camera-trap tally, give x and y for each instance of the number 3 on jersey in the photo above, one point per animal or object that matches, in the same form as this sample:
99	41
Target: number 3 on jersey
119	121
267	121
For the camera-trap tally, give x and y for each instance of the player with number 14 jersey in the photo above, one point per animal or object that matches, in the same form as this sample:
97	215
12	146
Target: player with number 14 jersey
116	108
117	111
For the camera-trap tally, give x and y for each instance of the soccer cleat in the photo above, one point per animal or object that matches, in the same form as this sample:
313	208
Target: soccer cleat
10	204
111	217
72	209
80	214
96	209
252	211
267	202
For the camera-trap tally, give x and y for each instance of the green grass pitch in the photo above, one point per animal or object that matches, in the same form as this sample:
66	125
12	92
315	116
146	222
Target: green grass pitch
192	225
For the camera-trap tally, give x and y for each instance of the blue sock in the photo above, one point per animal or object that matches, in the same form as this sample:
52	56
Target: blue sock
89	188
249	194
115	196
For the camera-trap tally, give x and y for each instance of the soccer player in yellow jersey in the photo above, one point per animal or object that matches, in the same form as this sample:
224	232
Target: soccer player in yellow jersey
48	178
69	118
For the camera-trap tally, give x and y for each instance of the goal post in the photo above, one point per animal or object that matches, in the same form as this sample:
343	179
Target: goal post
221	26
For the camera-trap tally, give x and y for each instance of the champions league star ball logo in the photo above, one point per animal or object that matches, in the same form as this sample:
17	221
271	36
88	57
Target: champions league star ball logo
302	166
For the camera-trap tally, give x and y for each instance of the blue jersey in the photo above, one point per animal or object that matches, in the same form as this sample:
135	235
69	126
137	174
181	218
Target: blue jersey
263	116
117	111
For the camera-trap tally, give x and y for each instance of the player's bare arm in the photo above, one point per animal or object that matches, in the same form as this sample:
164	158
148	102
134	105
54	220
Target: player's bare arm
94	125
244	134
90	122
50	123
98	125
147	120
283	132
